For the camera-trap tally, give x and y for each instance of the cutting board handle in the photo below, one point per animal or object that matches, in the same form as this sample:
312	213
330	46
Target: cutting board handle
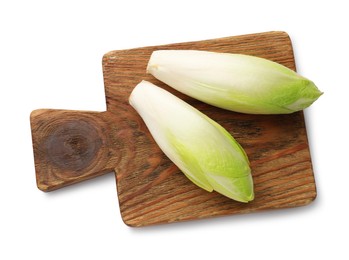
70	146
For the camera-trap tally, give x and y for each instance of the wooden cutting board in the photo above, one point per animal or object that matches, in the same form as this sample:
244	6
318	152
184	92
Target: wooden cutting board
72	146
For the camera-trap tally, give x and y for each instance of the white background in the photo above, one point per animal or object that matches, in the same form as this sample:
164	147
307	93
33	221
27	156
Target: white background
50	57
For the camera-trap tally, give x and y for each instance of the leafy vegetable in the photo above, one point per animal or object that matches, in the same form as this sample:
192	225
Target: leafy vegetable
236	82
202	149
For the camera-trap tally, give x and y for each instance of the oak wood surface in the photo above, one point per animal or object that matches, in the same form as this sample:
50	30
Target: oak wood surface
72	146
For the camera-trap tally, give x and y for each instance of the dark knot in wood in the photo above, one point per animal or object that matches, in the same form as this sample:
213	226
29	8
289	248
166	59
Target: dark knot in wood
73	145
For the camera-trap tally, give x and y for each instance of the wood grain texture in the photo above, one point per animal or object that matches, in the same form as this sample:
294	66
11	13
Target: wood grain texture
71	146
